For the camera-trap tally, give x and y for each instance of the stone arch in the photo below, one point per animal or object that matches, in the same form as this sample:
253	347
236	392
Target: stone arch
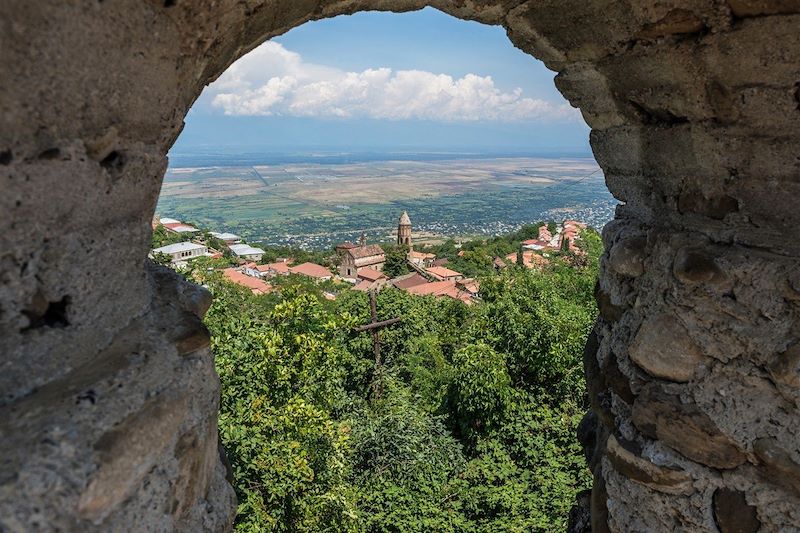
108	388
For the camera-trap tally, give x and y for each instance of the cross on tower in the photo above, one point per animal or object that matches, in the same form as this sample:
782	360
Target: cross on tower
374	326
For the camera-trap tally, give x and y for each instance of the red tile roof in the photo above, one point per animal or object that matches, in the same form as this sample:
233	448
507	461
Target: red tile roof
443	272
530	259
178	226
365	251
254	284
370	274
441	288
312	270
468	284
280	268
435	288
409	280
363	285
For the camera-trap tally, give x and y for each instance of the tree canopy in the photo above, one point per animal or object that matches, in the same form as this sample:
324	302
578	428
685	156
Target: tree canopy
474	430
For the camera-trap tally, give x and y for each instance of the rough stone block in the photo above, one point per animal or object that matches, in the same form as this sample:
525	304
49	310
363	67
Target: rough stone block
781	467
662	348
785	368
627	256
685	428
733	514
630	464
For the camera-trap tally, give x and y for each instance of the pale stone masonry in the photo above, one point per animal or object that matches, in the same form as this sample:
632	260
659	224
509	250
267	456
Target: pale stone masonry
109	397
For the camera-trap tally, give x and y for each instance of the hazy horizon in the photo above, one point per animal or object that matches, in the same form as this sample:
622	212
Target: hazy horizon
374	81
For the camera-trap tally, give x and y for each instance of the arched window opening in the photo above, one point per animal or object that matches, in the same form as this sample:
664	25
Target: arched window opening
402	241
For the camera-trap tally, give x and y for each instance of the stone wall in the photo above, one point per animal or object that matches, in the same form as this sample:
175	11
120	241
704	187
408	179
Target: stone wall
107	386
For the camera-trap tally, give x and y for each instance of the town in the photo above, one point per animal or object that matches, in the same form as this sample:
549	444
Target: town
361	266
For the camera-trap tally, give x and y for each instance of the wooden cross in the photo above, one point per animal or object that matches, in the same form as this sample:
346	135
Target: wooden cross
375	327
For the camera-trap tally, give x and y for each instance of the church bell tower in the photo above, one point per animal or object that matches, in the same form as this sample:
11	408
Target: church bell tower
404	230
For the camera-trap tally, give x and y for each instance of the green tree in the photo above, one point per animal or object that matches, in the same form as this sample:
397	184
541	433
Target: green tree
160	258
475	428
163	237
396	260
480	390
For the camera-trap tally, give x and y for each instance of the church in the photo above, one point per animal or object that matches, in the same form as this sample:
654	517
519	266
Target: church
357	258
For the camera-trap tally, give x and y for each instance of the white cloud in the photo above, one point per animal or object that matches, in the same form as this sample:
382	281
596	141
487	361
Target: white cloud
272	80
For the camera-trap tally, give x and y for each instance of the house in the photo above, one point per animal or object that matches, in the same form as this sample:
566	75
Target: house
359	257
369	279
434	288
444	273
576	224
370	274
176	226
408	280
182	251
251	269
273	269
530	259
536	244
469	285
441	262
311	270
255	285
368	285
444	288
421	259
180	228
228	238
544	234
245	251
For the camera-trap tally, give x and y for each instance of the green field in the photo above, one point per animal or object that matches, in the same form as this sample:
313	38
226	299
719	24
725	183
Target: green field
315	205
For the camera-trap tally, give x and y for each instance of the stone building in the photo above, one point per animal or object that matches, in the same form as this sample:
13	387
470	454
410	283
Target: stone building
359	257
404	230
108	415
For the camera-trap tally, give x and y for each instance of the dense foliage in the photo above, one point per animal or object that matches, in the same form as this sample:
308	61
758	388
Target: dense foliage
473	429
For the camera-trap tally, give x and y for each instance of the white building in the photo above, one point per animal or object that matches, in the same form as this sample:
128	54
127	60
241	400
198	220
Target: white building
183	251
229	238
245	251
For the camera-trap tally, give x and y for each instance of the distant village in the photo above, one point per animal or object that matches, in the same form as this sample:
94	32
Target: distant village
361	265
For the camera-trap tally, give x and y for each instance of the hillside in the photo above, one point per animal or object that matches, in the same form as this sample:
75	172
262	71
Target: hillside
468	423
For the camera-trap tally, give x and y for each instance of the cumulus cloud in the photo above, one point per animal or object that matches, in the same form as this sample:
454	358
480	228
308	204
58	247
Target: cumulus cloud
272	80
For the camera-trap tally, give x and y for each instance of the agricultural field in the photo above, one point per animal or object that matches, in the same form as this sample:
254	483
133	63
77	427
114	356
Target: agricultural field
314	205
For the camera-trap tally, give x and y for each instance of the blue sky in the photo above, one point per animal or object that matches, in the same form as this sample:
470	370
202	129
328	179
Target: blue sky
420	80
